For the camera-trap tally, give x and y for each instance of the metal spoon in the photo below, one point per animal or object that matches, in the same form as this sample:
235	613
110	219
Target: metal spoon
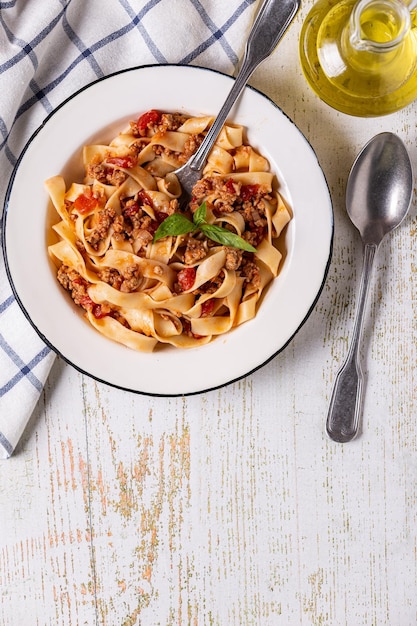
271	22
378	196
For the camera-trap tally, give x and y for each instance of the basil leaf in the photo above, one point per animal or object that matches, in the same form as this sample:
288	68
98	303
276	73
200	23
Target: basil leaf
178	224
175	224
200	215
225	237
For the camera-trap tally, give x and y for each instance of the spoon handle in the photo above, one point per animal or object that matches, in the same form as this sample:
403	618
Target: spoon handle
270	24
346	402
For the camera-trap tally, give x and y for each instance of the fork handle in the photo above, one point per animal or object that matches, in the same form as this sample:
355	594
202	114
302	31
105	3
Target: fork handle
270	24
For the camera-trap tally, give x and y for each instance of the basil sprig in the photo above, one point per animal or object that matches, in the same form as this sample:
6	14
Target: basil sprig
177	224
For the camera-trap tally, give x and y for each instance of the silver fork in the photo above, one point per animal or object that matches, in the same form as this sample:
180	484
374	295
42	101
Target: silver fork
270	24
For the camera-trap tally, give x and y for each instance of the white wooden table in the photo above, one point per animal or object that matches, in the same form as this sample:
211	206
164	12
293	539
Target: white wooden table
232	508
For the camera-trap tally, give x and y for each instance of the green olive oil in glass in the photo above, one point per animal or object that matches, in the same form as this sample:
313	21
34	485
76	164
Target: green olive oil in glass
361	57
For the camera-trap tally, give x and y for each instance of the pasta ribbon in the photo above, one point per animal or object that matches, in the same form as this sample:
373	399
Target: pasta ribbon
187	287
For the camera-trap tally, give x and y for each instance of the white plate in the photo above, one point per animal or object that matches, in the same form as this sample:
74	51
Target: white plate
98	112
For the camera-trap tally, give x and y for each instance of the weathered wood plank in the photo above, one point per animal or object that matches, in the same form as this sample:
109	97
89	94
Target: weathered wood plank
232	508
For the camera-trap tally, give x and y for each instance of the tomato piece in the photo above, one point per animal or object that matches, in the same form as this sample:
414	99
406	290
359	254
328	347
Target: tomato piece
126	162
99	311
143	198
160	216
85	203
247	192
79	280
86	302
207	308
230	188
150	118
131	210
186	278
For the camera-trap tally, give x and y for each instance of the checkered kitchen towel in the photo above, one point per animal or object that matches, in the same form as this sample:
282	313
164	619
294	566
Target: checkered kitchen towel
49	49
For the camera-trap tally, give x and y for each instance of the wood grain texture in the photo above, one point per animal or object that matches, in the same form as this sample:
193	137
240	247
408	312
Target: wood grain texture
232	508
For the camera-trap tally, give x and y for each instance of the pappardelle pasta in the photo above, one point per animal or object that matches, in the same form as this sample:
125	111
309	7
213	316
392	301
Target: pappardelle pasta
146	271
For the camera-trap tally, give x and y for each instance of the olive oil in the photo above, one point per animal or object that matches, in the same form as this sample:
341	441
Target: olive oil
361	58
378	26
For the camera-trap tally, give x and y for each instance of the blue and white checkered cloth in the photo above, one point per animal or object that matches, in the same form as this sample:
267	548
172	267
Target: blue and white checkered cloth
50	49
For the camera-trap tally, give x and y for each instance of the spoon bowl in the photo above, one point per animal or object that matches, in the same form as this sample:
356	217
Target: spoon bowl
378	192
378	196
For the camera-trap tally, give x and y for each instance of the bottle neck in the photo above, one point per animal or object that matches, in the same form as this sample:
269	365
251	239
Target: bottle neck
379	26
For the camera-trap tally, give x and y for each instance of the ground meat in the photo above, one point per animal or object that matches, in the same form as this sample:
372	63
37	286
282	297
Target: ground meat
98	172
255	233
202	188
116	177
190	147
225	192
195	251
169	154
138	145
131	279
160	150
250	271
130	207
111	276
106	219
167	121
71	280
251	236
142	238
134	225
127	281
172	121
65	276
106	175
119	226
233	258
251	213
80	245
173	207
144	222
